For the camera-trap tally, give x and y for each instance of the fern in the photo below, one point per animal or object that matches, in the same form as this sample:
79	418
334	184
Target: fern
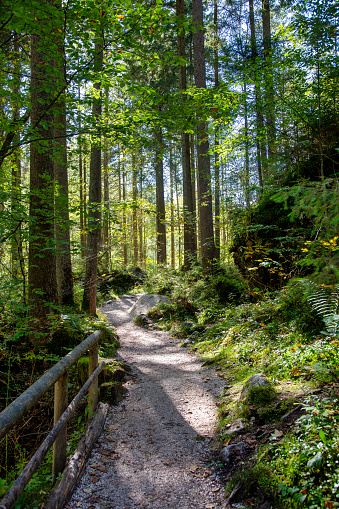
327	306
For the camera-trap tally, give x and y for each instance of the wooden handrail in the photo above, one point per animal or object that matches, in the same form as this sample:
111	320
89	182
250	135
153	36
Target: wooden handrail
13	413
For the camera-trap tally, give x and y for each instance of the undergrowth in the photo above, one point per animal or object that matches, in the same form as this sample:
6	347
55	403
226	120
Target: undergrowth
283	336
20	366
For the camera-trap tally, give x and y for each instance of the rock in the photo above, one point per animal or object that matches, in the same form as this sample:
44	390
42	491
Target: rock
237	426
145	303
111	392
229	452
142	321
254	381
188	341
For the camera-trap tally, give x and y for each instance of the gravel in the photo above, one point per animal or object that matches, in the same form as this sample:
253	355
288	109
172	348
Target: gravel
155	451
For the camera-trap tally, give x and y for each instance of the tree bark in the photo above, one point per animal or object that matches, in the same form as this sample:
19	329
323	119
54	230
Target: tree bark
268	72
106	214
42	265
141	242
204	171
124	222
172	208
94	195
134	210
216	142
160	200
188	209
63	242
247	157
260	144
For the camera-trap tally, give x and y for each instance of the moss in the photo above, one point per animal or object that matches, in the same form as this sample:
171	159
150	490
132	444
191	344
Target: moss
111	392
113	371
261	395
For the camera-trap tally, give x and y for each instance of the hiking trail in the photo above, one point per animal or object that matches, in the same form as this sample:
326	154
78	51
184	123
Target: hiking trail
155	450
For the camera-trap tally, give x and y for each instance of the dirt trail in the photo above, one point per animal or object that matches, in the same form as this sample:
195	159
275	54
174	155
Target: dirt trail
156	447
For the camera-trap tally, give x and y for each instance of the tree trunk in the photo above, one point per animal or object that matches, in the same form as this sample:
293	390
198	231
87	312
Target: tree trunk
134	210
42	265
124	222
172	208
160	200
94	195
178	212
81	197
194	195
188	208
268	72
247	157
216	143
17	259
106	211
258	106
141	243
204	171
63	243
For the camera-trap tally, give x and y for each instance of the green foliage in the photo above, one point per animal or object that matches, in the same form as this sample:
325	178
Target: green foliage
326	304
120	281
318	201
182	330
304	465
171	312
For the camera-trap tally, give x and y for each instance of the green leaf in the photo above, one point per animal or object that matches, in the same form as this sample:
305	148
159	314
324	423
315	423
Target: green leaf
315	461
322	436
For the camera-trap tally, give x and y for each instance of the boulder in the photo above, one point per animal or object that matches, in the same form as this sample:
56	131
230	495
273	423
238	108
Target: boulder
145	303
229	452
257	380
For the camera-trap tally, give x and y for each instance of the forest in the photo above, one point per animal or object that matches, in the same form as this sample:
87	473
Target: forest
188	149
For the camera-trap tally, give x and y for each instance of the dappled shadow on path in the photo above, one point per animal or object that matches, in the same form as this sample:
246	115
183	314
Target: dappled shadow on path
157	441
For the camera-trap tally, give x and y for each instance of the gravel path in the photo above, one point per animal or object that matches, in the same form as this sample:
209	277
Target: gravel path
156	447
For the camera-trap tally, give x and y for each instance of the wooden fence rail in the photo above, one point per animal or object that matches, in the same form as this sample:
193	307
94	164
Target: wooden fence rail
57	376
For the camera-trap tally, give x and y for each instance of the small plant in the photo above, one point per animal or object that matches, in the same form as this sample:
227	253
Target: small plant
326	304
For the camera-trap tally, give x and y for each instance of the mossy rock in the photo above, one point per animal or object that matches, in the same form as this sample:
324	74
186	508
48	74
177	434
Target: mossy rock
261	395
111	392
113	371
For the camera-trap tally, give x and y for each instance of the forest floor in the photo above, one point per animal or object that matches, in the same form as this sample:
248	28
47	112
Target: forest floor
157	446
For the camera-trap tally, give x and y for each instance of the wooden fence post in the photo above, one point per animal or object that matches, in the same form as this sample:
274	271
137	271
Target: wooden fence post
93	390
60	444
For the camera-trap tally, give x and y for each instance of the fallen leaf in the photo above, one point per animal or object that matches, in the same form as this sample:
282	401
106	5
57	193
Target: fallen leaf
194	468
277	434
102	469
215	489
79	504
111	439
95	479
94	500
112	427
104	452
209	506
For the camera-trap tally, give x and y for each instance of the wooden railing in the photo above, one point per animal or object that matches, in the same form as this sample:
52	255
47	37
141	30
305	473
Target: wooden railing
57	376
